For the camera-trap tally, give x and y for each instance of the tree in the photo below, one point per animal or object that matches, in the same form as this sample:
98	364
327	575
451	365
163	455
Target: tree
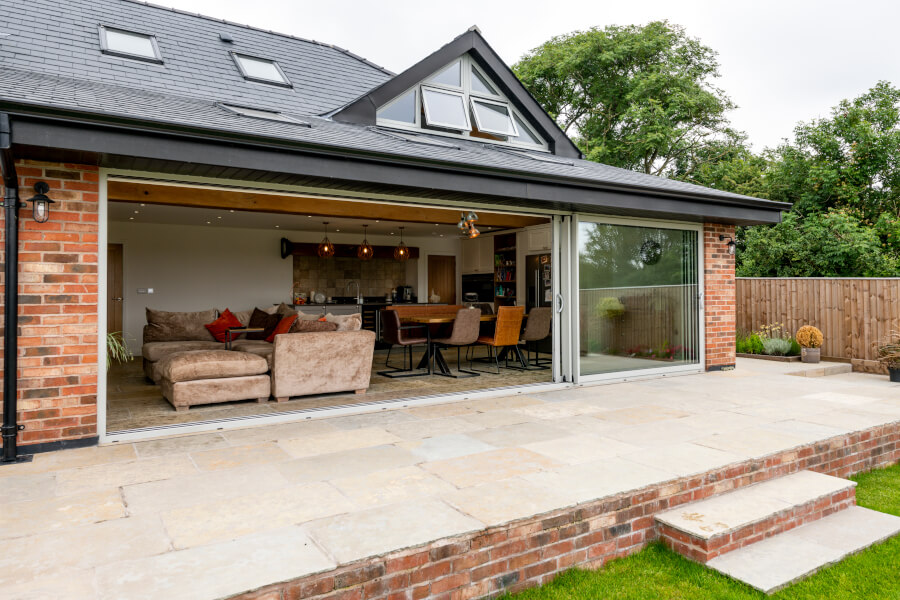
727	165
636	97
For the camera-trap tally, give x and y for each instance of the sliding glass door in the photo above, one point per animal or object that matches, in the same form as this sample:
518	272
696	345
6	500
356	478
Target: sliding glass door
639	297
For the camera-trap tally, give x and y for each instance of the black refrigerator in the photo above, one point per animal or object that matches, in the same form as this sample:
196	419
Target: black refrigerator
539	289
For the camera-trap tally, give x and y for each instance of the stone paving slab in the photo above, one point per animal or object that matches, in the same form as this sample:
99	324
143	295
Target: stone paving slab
776	562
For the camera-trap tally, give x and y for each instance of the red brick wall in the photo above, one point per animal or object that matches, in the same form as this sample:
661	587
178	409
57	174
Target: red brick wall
530	552
719	301
58	295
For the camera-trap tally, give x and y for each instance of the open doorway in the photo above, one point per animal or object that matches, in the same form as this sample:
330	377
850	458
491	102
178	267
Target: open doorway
195	252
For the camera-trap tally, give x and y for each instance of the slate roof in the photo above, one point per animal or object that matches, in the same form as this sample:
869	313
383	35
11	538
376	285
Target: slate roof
58	65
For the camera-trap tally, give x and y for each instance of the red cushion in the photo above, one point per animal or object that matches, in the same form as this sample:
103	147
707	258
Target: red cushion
284	325
219	328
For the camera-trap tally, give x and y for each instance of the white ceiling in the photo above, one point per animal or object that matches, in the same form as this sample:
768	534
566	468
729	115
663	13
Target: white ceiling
179	215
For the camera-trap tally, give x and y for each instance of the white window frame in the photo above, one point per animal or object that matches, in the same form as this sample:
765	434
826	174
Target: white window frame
450	92
512	122
236	57
403	124
105	49
467	65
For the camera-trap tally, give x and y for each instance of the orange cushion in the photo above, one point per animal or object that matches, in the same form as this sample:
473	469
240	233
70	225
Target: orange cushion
219	328
284	326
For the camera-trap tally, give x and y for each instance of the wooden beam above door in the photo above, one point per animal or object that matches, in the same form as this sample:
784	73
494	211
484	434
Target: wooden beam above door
218	198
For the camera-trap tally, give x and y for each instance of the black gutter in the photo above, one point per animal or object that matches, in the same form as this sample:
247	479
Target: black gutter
9	429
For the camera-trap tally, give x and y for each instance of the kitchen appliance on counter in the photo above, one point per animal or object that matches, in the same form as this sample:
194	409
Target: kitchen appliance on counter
404	293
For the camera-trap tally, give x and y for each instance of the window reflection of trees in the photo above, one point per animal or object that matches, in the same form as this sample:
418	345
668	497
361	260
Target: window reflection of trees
610	256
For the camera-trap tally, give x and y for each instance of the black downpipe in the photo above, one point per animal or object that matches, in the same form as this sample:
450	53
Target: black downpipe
10	429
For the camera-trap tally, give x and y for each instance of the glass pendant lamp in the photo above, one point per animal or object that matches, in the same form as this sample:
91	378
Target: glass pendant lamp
326	248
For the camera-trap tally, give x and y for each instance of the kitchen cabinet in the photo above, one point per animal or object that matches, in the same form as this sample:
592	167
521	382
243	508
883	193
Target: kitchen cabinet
477	256
538	239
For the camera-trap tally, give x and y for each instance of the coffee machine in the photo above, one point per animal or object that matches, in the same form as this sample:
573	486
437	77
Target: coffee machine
405	294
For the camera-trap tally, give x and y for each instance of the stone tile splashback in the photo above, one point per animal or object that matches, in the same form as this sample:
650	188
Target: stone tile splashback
330	276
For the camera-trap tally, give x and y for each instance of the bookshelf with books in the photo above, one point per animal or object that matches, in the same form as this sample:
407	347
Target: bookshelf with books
505	269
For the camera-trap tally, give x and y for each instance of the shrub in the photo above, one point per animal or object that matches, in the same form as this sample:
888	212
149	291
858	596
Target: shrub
889	351
748	343
809	337
776	346
609	307
795	348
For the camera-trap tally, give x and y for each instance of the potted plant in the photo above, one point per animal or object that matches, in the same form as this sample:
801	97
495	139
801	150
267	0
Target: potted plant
810	340
116	349
889	356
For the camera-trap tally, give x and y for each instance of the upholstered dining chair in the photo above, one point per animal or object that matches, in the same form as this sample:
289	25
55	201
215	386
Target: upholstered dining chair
506	334
405	336
537	328
464	333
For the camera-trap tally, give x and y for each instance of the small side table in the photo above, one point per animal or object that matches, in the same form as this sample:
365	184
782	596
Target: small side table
239	330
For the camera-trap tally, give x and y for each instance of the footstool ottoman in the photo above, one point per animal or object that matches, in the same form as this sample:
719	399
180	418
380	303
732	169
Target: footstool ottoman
199	377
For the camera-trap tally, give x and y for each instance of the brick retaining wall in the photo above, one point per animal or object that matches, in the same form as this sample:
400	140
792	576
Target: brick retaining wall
530	552
58	295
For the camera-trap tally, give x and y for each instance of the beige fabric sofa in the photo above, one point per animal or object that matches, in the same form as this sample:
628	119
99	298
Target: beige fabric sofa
199	377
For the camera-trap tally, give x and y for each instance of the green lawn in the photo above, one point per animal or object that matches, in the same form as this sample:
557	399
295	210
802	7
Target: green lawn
656	573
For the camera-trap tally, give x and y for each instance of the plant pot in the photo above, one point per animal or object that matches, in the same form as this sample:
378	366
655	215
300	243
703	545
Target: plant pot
810	355
894	373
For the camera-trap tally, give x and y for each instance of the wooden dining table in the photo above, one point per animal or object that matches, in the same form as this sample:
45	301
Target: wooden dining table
439	360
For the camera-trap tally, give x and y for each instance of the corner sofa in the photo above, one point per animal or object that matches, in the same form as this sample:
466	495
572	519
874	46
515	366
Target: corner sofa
192	368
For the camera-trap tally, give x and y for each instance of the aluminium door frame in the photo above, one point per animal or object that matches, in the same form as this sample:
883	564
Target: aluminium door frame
575	340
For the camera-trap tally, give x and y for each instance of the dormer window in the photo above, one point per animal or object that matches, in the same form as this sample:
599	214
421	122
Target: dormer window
261	70
129	44
460	100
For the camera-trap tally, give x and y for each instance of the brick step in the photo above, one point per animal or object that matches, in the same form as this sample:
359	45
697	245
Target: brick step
709	528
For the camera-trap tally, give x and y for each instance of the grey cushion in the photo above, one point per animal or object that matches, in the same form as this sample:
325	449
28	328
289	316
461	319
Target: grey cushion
154	351
210	364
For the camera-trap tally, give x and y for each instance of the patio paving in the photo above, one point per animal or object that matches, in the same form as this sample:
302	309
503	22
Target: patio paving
211	515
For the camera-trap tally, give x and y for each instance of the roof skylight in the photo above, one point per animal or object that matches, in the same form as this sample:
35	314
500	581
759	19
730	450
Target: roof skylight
260	69
258	113
129	44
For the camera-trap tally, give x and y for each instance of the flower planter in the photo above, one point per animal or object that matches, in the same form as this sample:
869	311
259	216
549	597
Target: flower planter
894	374
810	355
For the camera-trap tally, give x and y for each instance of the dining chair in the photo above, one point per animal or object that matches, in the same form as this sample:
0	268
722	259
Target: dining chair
506	334
464	333
405	336
537	328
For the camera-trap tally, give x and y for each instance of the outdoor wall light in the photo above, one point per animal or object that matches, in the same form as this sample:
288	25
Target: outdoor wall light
40	202
731	244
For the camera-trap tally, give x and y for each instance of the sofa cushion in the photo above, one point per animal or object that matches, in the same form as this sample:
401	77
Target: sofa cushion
210	364
346	322
284	310
243	316
306	326
257	347
154	351
264	320
164	326
284	326
310	316
219	328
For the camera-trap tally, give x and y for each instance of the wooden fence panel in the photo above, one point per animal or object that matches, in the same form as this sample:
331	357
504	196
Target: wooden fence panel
854	314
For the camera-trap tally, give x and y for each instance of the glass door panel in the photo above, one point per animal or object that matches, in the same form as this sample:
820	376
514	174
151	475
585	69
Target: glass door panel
639	298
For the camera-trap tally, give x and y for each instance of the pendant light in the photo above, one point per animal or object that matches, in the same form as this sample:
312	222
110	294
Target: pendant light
365	250
326	248
401	252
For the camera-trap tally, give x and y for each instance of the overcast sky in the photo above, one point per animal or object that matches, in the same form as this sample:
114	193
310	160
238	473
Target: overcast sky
781	61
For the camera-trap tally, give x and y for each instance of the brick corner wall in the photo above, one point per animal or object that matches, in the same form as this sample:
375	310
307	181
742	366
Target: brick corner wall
58	301
719	297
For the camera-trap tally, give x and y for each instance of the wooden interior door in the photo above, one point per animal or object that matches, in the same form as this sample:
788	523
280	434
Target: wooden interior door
442	278
114	288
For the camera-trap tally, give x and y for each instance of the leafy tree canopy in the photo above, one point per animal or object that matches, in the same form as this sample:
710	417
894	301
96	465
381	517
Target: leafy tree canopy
636	97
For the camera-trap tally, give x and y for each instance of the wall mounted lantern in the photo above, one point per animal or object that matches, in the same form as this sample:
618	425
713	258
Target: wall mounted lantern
731	244
401	252
40	202
326	248
365	250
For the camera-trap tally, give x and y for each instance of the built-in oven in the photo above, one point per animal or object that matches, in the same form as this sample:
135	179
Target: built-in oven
479	287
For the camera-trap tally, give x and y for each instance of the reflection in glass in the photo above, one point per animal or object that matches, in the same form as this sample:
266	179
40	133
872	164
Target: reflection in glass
445	109
525	134
449	76
639	298
480	84
402	109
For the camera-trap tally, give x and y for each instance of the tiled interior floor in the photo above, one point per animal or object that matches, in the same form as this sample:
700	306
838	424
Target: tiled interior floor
134	402
211	515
